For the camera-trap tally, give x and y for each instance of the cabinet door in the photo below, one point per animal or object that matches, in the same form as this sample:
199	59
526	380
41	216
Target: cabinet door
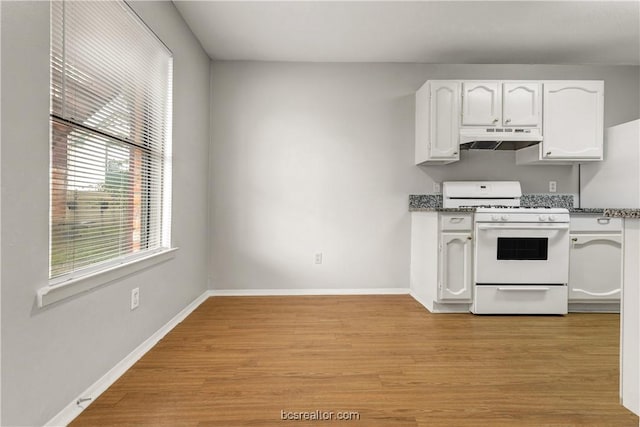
454	282
521	104
481	103
445	108
595	267
573	120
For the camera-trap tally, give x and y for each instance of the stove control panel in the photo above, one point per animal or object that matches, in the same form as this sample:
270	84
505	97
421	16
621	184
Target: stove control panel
555	215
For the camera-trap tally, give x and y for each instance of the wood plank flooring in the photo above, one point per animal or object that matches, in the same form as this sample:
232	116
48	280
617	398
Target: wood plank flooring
241	361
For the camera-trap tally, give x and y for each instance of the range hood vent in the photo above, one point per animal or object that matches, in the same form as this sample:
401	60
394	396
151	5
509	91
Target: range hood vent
497	145
498	138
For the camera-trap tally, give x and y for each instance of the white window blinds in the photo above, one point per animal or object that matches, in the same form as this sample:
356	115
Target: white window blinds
110	137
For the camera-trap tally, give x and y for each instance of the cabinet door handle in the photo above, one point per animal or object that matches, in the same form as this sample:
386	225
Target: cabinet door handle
468	237
548	153
456	220
455	152
495	120
604	220
575	239
507	121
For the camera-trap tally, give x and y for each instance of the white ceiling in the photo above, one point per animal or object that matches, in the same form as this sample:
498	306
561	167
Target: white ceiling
480	32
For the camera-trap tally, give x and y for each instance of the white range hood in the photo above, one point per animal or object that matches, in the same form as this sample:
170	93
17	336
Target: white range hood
493	138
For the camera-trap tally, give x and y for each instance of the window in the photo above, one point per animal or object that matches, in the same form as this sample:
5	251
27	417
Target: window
110	138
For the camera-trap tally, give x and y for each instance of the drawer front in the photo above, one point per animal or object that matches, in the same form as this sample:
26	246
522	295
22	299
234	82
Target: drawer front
455	221
510	299
591	224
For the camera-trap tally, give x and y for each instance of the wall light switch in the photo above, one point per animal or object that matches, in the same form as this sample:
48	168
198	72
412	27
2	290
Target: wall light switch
436	187
552	186
318	258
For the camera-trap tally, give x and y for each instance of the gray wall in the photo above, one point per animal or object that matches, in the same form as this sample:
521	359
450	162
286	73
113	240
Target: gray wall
51	355
319	157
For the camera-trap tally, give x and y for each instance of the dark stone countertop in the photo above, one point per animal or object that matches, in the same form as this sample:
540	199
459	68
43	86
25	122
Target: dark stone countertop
433	203
440	209
622	213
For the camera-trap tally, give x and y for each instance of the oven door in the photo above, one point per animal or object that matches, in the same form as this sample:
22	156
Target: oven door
522	253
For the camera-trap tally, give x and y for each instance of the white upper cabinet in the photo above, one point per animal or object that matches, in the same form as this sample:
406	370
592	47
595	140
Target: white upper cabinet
437	122
573	120
521	104
567	116
444	130
508	104
481	103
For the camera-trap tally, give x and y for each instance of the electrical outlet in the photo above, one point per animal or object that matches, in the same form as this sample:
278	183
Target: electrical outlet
318	258
436	187
553	186
135	298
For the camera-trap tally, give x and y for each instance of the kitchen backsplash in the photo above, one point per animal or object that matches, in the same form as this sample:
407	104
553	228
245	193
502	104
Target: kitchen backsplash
549	200
422	201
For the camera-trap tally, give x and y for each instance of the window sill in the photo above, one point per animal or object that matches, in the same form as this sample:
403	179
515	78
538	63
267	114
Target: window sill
54	293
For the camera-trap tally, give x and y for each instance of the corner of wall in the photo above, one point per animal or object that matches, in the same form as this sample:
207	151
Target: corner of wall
0	223
209	181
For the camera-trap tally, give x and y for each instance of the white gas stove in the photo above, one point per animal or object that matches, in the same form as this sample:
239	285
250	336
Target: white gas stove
521	254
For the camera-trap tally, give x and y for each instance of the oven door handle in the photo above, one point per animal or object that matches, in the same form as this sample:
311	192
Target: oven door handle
543	227
525	289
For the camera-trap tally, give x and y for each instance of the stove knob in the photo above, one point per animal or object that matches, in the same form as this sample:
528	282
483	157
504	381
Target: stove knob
552	217
504	217
542	217
495	218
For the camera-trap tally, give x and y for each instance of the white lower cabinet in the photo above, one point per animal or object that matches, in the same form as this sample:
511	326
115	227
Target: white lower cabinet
442	267
455	252
441	276
595	260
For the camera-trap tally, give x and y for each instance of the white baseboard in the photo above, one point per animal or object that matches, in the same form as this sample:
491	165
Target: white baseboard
73	409
422	301
610	307
451	308
436	307
293	292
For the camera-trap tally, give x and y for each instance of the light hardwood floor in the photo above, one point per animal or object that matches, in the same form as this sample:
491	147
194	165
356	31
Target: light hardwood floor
240	361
